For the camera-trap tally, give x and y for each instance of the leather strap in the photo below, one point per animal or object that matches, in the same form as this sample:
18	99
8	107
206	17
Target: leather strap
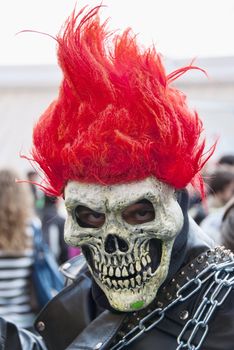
99	333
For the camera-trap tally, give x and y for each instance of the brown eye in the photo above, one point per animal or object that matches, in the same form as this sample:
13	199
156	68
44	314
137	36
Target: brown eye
87	217
139	213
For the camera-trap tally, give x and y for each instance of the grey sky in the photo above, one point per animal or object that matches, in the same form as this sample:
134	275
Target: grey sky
181	28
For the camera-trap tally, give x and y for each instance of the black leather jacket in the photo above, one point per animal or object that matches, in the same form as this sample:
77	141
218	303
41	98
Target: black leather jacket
74	320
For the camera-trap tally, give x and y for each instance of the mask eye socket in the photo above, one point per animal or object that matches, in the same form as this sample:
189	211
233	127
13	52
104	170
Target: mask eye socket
87	217
139	213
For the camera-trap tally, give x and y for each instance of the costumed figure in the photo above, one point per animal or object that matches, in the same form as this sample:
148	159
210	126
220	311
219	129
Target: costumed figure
121	144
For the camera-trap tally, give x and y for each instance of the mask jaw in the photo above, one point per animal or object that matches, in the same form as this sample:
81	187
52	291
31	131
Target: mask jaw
131	278
137	298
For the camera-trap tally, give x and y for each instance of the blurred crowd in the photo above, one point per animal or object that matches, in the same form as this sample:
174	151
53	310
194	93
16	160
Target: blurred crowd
215	213
23	207
52	214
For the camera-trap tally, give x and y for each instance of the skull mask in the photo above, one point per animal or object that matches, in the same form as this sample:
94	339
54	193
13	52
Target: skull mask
126	233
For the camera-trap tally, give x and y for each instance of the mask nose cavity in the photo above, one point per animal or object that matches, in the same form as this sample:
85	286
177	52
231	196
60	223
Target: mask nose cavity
114	243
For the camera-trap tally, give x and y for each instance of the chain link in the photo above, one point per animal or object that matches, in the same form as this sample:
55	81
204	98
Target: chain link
195	330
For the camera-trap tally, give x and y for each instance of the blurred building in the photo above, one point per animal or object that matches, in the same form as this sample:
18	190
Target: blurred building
213	98
26	91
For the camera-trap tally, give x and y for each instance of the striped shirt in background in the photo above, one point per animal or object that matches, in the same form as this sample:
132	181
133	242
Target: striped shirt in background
15	288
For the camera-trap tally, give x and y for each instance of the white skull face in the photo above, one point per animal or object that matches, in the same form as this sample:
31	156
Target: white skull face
126	233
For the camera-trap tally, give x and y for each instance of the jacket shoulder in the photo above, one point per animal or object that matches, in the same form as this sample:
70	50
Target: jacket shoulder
71	309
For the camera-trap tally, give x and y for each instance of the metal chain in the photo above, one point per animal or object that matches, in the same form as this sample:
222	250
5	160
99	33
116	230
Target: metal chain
198	325
196	328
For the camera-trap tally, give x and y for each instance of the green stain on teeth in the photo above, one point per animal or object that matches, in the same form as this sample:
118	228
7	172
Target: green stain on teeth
137	305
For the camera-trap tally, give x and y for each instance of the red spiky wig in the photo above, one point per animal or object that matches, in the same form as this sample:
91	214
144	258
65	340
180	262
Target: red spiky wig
117	118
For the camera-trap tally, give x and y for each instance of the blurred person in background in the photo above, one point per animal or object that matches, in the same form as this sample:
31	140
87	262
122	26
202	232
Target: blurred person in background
16	251
53	228
38	195
221	190
32	177
227	226
226	162
196	208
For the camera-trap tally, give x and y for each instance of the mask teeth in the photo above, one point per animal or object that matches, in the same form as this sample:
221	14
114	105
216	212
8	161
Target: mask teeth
114	282
108	281
138	266
104	270
126	283
148	258
145	274
111	271
133	283
121	284
131	276
144	261
124	272
138	279
117	272
131	269
124	260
